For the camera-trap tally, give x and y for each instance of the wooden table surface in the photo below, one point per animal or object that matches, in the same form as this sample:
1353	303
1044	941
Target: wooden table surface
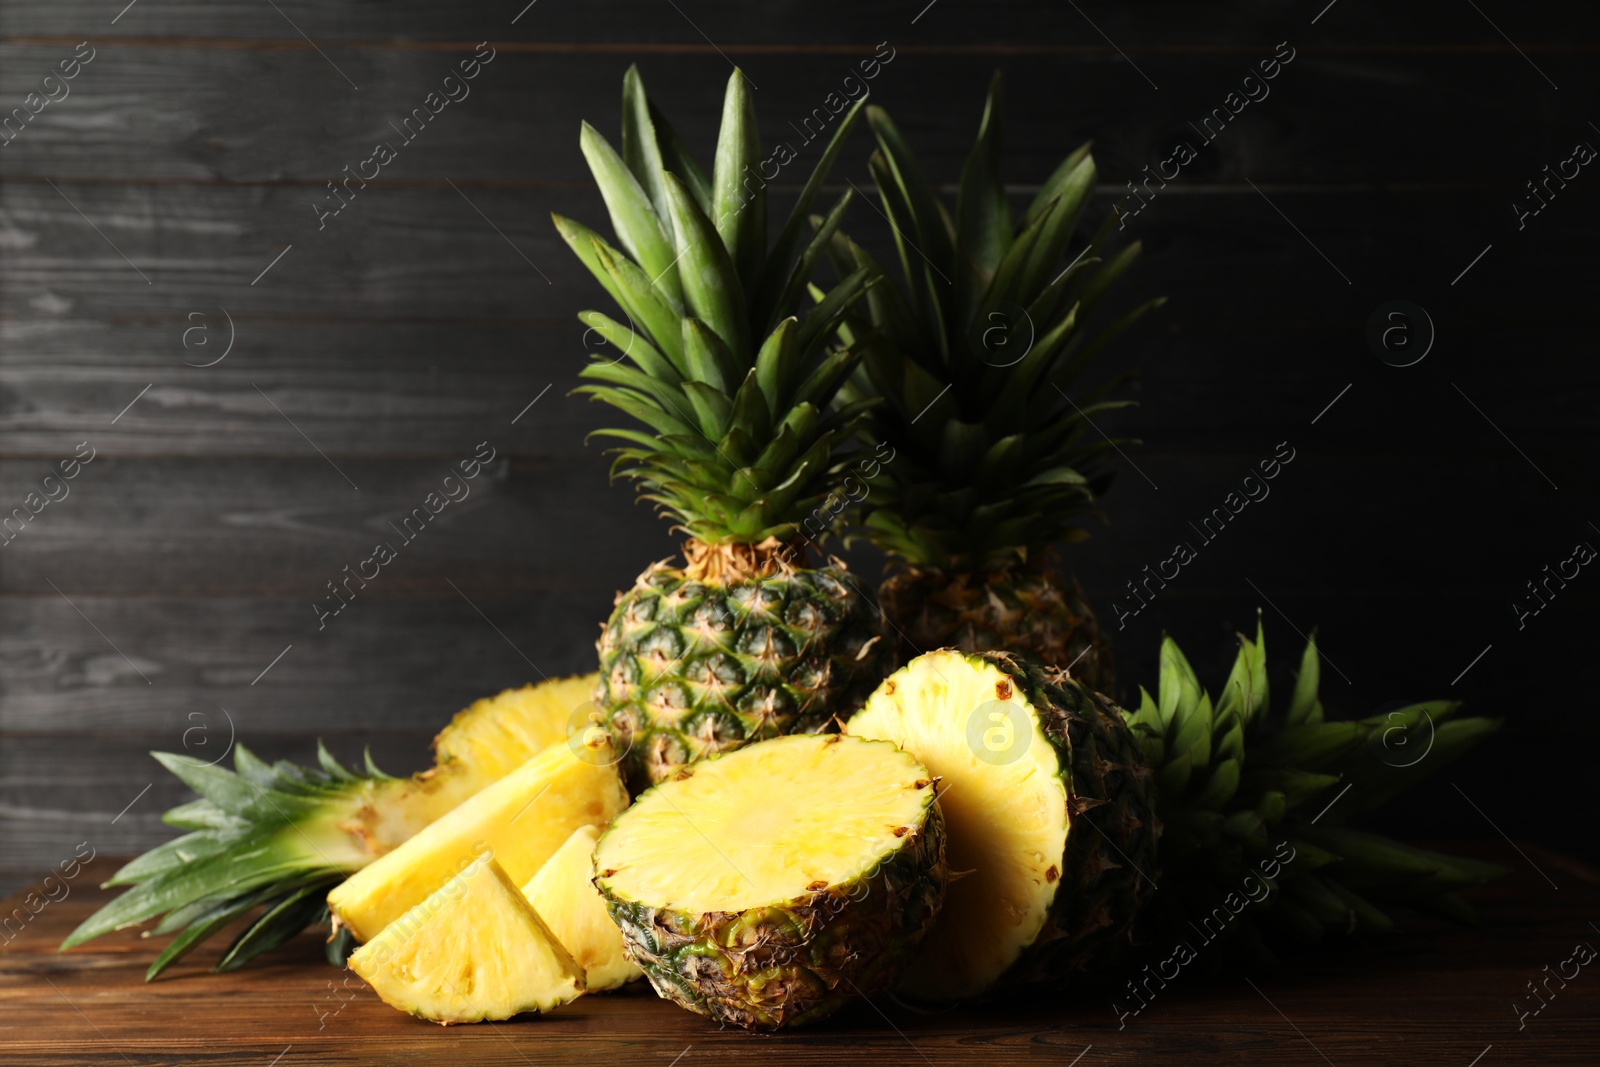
1434	995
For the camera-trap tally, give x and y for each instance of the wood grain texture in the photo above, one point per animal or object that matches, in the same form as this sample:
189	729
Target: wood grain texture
429	389
1024	27
185	114
427	254
1430	996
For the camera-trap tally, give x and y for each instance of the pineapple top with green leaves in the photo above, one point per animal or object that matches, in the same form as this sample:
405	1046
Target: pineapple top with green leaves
976	354
1256	797
735	389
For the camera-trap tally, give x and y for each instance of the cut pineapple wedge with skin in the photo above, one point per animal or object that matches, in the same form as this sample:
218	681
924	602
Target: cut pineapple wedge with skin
564	895
1005	809
482	744
524	818
474	950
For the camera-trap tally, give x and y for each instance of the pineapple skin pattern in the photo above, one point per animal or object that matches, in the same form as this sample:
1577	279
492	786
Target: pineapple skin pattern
794	962
693	666
1031	610
1108	876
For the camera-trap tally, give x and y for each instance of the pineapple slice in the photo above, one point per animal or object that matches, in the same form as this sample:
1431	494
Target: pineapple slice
471	951
482	744
564	895
771	885
524	818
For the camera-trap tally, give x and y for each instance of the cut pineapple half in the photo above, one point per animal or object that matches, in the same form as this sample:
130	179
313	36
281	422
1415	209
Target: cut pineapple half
472	950
564	895
769	886
482	744
524	818
1005	806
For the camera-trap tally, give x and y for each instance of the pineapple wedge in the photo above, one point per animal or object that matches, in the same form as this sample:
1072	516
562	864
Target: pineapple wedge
524	818
482	744
564	895
471	951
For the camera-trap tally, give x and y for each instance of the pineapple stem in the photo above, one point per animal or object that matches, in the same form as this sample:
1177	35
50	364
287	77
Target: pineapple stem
731	562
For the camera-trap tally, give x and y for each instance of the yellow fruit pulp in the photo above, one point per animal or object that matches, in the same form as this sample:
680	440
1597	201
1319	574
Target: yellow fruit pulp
717	841
1005	811
472	950
524	818
482	744
564	895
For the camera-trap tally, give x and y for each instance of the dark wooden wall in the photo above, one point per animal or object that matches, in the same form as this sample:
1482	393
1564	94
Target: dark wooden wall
137	216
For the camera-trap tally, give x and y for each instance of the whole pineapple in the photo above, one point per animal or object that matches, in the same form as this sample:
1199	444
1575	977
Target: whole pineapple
747	640
995	456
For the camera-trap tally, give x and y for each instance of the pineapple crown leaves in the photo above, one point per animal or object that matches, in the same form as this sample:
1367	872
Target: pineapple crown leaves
735	384
976	353
253	843
1236	778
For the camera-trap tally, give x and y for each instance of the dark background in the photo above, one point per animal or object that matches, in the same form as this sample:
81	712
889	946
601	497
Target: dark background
141	611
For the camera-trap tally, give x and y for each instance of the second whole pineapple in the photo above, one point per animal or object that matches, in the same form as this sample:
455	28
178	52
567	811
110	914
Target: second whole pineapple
741	444
997	456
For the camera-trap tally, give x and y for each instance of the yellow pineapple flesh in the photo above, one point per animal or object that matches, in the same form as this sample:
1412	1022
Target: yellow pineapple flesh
482	744
471	951
524	818
564	895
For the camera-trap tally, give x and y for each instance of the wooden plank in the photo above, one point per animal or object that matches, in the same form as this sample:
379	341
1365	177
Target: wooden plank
424	253
382	664
395	388
288	527
199	528
414	641
1431	995
736	29
417	389
176	114
425	388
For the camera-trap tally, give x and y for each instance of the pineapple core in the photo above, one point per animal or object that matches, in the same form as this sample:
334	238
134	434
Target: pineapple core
715	841
1005	812
471	951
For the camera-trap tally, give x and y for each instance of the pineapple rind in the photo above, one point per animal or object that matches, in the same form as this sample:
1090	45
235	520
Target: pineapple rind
473	950
796	960
692	667
1022	608
563	894
523	818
